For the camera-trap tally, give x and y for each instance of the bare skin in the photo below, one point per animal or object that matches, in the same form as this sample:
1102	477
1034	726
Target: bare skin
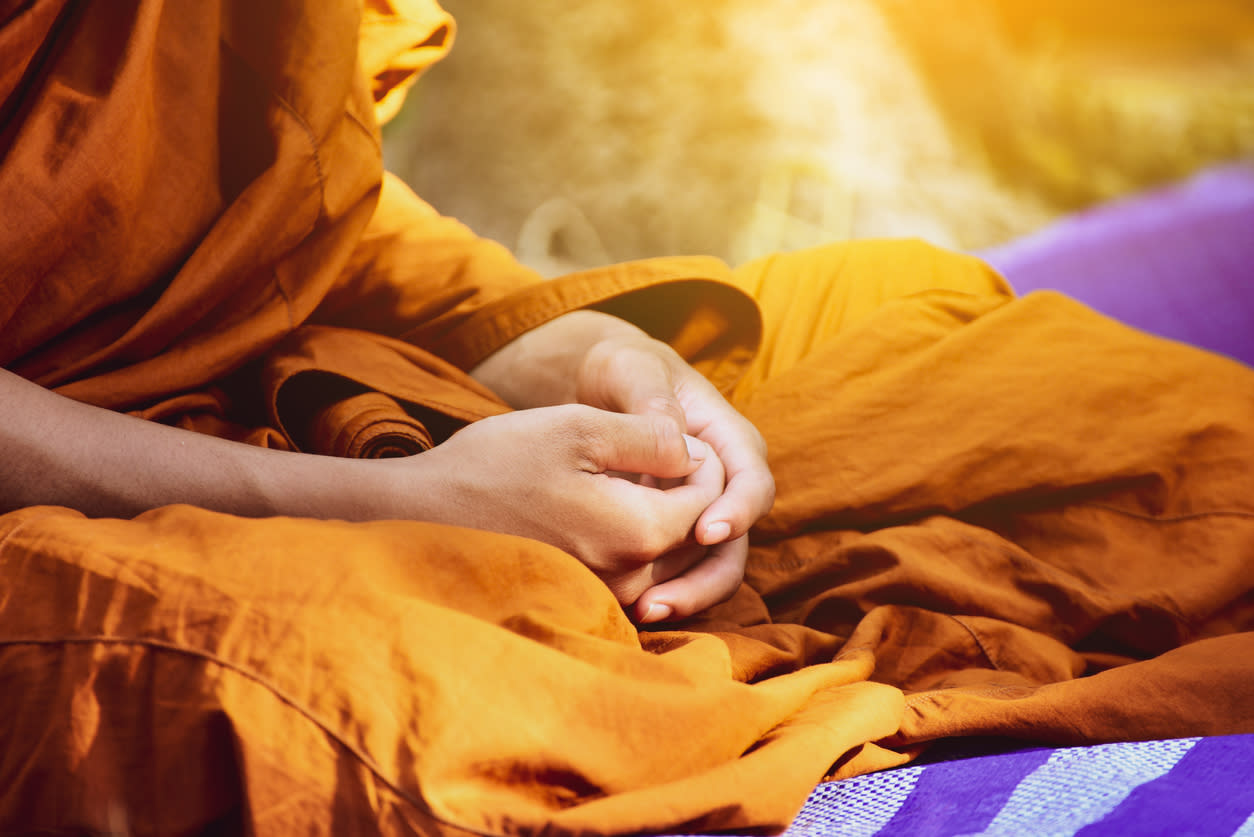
549	471
602	361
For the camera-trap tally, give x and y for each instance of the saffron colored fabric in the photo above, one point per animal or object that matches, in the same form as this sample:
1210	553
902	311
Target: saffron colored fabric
995	516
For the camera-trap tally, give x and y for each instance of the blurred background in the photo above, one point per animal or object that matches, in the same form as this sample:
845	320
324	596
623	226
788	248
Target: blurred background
580	133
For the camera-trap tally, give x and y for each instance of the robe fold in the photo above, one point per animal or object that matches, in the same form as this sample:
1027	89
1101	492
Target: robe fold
995	516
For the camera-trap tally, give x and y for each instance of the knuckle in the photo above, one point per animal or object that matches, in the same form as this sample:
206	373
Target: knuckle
584	433
626	588
595	368
622	356
643	543
768	490
726	593
640	547
667	440
662	405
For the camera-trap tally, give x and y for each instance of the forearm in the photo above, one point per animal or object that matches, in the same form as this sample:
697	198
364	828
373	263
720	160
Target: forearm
61	452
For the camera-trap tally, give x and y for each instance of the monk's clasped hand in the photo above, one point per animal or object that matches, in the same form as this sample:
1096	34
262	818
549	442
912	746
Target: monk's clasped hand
637	375
559	475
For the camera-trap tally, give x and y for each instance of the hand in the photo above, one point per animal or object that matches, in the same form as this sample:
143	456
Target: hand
634	374
551	474
600	360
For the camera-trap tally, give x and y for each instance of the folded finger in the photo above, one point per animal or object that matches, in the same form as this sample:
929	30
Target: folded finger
712	580
654	521
672	564
747	497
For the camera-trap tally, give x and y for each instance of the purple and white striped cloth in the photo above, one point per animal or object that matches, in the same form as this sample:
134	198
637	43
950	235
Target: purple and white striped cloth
1186	786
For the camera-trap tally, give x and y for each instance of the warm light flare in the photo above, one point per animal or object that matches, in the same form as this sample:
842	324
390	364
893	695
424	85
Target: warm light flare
584	132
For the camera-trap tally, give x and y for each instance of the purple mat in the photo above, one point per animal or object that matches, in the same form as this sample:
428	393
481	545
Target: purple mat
1189	786
1177	261
1186	786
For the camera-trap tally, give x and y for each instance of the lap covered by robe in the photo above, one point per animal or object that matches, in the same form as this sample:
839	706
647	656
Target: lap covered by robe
995	516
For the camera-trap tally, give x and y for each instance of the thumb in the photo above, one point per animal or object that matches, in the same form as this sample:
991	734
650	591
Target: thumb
650	445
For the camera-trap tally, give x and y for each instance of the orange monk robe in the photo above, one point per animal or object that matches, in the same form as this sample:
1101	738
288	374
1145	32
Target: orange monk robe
995	516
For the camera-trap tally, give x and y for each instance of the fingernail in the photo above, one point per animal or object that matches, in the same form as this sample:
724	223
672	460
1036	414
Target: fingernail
717	532
696	447
656	613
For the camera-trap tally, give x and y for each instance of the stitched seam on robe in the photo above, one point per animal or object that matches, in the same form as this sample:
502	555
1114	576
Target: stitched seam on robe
287	298
1178	518
313	151
978	642
318	171
300	121
369	132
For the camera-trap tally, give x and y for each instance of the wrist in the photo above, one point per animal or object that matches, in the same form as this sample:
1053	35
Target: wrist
357	490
